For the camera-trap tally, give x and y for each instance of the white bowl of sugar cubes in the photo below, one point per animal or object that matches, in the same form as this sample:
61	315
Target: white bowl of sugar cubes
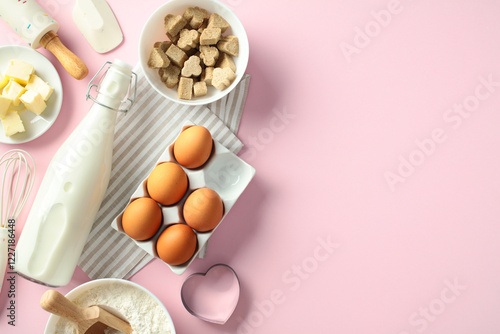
193	52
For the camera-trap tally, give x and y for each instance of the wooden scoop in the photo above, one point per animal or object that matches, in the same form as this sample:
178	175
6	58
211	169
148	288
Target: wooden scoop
90	320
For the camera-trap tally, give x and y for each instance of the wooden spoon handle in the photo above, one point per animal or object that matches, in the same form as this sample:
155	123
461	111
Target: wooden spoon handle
68	59
53	302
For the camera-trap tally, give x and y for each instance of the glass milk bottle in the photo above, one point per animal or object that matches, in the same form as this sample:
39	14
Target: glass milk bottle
74	185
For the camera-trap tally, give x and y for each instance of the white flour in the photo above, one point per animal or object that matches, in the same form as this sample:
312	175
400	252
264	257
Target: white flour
142	311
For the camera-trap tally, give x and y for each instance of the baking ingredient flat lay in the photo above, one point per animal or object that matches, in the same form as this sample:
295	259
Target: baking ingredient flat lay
197	55
22	89
142	311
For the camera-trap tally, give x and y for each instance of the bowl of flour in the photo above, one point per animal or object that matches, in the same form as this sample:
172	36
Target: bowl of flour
145	313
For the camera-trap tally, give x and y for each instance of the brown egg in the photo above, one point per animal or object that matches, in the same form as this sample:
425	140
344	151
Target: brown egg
167	183
203	209
193	147
142	218
176	244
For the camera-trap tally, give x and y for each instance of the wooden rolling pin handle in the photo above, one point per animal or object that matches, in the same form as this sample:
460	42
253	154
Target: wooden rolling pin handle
68	59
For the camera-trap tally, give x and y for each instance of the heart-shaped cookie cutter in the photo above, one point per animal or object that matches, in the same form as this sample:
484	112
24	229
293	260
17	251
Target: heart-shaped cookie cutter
213	295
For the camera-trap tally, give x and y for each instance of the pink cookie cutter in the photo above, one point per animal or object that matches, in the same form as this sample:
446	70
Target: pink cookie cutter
212	296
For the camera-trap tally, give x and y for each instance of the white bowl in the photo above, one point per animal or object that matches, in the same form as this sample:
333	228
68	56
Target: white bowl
154	31
53	319
35	125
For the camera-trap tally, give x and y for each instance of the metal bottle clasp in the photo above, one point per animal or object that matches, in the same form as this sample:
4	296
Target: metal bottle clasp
127	103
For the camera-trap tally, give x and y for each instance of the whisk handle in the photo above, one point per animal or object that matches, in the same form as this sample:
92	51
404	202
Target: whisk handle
4	249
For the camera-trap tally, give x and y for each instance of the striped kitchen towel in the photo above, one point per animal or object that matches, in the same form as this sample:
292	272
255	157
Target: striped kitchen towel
141	135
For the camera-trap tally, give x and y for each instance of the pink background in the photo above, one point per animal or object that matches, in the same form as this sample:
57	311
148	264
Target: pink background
321	171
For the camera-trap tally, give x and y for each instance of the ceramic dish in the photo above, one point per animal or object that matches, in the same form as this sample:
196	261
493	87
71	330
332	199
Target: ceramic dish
224	172
84	288
154	31
35	125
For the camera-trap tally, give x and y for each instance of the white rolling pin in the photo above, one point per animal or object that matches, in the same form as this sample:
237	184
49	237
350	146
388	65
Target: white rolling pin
73	188
39	29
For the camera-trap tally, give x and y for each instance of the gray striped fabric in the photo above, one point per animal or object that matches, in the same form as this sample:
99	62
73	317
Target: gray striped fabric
141	135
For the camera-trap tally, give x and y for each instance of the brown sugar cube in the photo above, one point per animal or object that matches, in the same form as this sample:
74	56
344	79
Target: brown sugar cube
174	24
222	78
188	40
202	64
217	21
170	75
176	55
200	89
195	16
209	54
163	45
158	59
210	36
207	75
229	44
185	89
173	39
203	27
226	60
191	67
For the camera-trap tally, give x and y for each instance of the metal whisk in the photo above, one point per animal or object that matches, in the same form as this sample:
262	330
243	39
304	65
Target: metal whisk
18	175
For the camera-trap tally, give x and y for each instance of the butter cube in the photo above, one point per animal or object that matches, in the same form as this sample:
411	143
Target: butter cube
19	71
40	86
12	123
33	101
13	91
3	81
4	105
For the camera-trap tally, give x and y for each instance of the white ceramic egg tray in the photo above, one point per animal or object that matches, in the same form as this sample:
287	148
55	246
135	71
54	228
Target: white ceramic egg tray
224	172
